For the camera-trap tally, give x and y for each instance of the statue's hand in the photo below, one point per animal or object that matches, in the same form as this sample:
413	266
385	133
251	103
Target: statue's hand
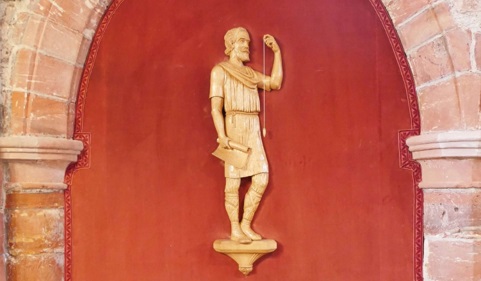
224	142
270	42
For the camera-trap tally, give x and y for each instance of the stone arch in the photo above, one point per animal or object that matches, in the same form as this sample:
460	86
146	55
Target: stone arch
45	54
45	38
440	40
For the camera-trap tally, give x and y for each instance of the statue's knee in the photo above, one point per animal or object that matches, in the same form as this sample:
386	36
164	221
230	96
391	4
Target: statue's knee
259	182
261	179
232	185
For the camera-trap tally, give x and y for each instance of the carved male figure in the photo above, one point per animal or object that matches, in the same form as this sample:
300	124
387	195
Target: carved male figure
234	90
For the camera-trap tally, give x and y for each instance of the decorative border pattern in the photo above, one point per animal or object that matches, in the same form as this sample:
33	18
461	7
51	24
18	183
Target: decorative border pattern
84	158
83	162
89	63
407	162
405	156
68	229
402	62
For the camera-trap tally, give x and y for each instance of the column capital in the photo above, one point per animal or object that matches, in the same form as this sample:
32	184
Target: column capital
39	148
37	162
448	159
454	144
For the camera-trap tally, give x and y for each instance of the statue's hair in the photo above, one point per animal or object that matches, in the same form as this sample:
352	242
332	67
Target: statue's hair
230	38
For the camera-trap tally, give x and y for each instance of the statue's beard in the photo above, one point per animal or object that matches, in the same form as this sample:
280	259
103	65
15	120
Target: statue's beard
243	56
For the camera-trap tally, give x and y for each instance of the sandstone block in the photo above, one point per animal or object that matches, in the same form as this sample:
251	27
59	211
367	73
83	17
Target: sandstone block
448	210
452	259
45	267
431	62
439	106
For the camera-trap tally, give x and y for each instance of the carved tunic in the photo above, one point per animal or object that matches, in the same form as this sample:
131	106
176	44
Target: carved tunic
242	105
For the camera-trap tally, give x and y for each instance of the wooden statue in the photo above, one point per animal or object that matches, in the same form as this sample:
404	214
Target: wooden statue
234	90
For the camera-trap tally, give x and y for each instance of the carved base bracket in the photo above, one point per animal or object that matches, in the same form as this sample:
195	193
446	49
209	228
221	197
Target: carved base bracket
245	254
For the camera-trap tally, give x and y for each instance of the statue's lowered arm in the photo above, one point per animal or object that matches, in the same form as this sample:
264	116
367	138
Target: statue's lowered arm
217	104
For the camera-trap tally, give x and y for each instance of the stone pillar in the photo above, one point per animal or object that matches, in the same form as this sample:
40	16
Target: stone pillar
34	171
451	163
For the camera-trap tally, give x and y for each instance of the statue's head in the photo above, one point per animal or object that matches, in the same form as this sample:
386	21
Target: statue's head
237	43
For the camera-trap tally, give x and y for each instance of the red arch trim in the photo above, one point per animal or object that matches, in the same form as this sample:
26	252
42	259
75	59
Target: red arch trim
405	157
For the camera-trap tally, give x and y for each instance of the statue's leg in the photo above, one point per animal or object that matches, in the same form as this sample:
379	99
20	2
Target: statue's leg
232	208
251	202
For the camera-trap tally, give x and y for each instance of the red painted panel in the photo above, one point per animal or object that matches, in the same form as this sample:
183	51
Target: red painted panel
151	203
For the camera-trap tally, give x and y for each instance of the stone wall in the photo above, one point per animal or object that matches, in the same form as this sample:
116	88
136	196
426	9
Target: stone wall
44	47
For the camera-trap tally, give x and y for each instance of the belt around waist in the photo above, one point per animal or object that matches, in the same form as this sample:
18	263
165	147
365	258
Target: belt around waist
240	113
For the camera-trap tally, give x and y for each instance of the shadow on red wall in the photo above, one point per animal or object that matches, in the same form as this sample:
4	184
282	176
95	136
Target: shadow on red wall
151	203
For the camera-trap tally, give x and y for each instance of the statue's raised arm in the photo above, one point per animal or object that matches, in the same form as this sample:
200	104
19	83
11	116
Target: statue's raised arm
275	80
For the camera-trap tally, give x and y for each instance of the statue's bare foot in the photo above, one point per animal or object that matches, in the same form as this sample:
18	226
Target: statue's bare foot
246	228
239	236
